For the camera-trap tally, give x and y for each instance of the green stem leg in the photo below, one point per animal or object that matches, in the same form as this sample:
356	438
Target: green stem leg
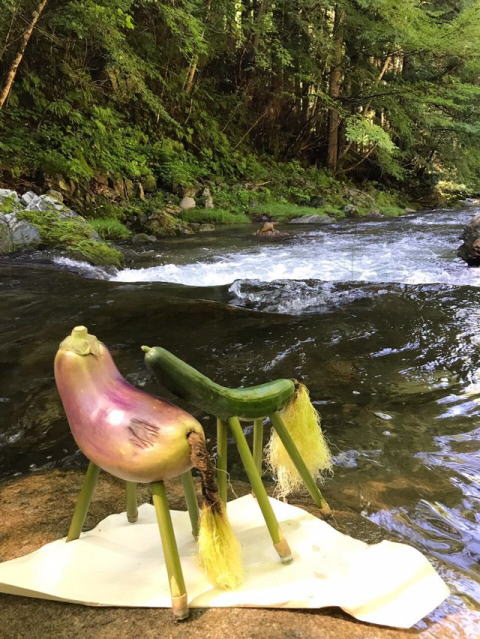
279	541
258	444
297	459
132	510
191	499
222	463
83	502
170	551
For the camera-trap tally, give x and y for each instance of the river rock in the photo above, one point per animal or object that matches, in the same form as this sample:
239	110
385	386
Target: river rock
6	244
143	238
28	197
470	249
311	219
33	515
24	234
187	203
17	234
206	228
208	199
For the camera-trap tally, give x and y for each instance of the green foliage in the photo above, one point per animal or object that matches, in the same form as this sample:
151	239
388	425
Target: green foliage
97	253
364	132
73	234
9	204
233	92
214	216
282	211
110	228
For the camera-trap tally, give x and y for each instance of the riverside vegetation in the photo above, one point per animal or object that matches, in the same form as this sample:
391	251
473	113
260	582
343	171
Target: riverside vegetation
281	108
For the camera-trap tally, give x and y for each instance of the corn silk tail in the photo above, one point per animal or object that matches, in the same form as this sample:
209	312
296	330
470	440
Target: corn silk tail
303	423
219	550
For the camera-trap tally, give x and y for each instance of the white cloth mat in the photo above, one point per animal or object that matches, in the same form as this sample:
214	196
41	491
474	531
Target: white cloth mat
121	564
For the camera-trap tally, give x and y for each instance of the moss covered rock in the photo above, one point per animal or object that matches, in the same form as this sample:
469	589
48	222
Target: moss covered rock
72	233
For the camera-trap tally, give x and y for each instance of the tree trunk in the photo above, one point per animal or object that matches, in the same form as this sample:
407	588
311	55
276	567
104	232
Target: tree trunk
7	87
334	89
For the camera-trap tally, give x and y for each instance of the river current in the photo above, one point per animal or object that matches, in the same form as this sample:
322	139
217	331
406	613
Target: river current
379	318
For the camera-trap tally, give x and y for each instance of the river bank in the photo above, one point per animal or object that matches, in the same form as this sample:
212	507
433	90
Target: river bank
88	226
37	510
378	317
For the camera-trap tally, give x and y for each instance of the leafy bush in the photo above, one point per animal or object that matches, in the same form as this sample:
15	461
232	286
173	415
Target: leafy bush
110	228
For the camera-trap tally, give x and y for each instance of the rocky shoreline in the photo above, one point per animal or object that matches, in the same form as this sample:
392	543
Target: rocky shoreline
36	510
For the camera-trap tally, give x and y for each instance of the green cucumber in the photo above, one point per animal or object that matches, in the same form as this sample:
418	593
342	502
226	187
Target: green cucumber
187	383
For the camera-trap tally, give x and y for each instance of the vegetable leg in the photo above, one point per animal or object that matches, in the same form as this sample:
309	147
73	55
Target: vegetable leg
222	463
132	510
83	502
170	551
191	500
258	444
279	541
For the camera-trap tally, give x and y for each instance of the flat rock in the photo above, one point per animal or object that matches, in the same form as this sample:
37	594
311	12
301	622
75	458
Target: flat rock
36	509
311	219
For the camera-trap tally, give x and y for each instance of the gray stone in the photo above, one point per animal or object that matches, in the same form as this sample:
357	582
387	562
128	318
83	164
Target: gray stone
311	219
4	193
6	244
24	235
142	238
409	210
187	203
28	197
208	202
470	249
206	228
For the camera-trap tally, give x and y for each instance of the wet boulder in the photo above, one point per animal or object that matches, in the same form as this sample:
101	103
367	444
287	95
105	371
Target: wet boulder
470	249
311	219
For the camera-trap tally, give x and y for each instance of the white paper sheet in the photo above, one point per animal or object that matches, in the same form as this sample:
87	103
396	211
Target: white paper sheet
121	564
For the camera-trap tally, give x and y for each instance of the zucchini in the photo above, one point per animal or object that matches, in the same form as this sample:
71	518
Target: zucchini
187	383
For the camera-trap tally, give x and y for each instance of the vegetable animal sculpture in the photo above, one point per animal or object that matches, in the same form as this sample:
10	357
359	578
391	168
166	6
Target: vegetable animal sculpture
140	438
297	451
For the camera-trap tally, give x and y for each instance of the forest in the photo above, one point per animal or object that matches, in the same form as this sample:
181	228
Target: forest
292	94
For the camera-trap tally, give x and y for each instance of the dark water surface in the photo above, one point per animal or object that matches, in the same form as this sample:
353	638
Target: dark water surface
380	320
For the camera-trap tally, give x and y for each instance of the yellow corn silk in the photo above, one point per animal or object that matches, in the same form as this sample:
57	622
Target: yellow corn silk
303	423
219	550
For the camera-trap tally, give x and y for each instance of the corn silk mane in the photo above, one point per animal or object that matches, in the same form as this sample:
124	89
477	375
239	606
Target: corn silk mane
303	423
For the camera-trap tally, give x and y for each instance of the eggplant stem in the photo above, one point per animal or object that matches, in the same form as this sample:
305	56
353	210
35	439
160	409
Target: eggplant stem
132	510
258	444
222	457
83	502
297	459
191	500
279	542
170	551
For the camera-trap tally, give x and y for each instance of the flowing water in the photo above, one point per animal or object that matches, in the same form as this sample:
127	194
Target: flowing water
379	318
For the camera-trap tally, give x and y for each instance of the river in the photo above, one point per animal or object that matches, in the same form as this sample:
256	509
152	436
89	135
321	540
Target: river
379	318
